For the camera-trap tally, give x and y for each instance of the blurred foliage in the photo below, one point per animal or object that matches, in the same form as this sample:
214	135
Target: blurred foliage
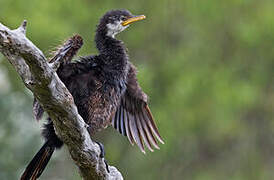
207	66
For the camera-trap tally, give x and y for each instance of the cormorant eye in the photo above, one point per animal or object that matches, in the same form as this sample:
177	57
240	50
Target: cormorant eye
123	18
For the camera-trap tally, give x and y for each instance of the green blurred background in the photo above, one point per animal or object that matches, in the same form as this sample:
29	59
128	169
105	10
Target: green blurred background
208	67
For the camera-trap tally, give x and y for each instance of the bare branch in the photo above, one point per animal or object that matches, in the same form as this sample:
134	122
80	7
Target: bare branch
17	61
22	29
41	79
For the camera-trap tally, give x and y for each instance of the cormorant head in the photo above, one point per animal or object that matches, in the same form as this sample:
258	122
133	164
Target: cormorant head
115	21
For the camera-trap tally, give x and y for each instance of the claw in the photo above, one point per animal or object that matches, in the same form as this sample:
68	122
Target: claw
102	149
106	163
102	154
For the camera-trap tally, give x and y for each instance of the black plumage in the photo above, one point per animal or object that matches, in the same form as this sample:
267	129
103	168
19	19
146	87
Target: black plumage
105	91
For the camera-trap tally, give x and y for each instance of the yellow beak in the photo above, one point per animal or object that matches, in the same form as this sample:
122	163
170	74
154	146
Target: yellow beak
133	19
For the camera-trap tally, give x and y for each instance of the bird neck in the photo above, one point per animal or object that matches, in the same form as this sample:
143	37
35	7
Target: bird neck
112	50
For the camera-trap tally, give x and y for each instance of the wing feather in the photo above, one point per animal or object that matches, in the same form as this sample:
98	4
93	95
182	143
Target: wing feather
142	132
113	121
136	134
129	133
133	117
122	121
149	132
153	126
118	120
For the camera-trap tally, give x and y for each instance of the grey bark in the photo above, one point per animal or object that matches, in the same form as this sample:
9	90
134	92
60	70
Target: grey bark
40	78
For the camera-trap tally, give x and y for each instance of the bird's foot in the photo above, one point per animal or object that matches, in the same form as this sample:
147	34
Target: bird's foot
102	154
106	163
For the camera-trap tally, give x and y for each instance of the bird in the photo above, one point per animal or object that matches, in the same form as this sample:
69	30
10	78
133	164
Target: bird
105	90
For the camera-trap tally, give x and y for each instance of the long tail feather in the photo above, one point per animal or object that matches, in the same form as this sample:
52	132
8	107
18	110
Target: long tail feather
38	163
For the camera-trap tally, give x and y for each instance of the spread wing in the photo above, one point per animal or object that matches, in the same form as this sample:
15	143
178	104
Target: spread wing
133	117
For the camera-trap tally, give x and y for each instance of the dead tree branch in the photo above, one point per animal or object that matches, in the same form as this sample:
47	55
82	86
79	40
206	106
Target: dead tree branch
42	80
